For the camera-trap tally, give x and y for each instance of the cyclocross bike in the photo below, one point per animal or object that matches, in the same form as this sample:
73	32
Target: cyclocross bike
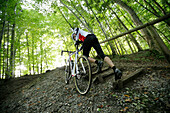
80	69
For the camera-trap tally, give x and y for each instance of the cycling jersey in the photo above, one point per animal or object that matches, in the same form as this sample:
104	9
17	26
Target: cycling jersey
89	40
80	34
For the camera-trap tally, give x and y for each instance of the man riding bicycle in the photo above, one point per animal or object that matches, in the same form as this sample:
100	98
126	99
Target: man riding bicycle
90	40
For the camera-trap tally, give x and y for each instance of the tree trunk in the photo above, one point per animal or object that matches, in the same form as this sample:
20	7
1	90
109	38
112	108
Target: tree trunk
65	18
7	75
148	4
91	31
126	38
12	56
111	46
160	42
33	54
130	23
4	54
159	7
132	37
137	22
109	30
19	50
2	33
46	59
76	16
3	25
41	48
154	12
38	72
28	52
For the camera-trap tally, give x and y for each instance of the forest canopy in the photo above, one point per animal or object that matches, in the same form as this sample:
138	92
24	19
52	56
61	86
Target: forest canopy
33	32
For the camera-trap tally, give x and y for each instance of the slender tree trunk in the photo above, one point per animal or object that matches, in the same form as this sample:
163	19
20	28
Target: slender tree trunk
41	48
112	36
160	43
2	33
28	52
130	23
91	31
3	24
121	48
109	30
111	46
159	7
166	38
19	50
64	17
132	37
37	60
147	8
4	54
154	12
75	16
138	22
126	38
46	59
7	74
148	4
117	47
12	57
33	55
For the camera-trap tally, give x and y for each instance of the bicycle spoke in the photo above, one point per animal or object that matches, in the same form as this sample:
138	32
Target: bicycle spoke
83	79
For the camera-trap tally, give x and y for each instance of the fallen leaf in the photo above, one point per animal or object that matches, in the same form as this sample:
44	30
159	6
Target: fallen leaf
31	104
145	93
156	98
79	104
69	96
136	98
125	108
128	100
101	106
127	96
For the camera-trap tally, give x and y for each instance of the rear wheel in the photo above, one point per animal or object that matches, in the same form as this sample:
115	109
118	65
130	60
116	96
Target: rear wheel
83	79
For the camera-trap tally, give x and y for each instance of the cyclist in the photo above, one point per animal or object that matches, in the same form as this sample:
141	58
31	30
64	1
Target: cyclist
90	40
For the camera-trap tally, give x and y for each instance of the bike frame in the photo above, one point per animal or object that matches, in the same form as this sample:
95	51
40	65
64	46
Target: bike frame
74	68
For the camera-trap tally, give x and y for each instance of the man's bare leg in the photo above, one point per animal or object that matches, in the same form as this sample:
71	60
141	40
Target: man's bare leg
92	59
108	61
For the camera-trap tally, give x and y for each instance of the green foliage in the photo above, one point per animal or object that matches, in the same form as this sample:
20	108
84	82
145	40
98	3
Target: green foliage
49	29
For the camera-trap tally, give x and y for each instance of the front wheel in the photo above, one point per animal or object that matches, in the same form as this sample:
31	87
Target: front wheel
83	79
67	73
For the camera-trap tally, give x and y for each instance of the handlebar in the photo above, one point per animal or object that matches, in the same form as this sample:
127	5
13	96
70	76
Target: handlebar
66	51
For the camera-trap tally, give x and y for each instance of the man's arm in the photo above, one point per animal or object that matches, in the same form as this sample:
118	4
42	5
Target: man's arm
77	34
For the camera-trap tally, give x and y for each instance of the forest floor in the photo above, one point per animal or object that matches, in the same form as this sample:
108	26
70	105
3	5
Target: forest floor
48	92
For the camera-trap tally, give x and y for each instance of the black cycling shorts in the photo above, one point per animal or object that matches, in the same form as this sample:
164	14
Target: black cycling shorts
92	41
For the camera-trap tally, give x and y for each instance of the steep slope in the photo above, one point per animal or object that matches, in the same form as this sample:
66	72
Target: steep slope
48	92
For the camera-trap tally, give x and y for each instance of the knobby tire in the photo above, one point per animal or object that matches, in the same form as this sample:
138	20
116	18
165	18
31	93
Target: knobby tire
83	83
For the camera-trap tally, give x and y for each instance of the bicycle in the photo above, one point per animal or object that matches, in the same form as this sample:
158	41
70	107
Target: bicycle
80	69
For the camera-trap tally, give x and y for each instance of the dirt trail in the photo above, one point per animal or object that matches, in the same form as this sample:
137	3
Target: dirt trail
48	92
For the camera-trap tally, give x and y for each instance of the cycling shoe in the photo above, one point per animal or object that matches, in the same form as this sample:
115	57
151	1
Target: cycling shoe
118	74
99	66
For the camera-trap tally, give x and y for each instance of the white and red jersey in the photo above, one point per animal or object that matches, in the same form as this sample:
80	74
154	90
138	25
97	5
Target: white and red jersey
80	34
